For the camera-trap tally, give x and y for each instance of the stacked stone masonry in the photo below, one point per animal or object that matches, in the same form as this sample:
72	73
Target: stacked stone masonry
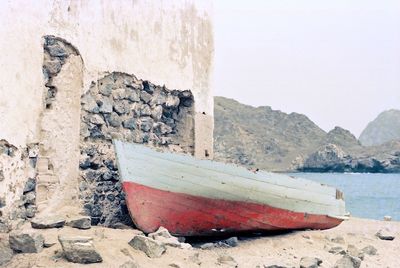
119	106
56	51
19	162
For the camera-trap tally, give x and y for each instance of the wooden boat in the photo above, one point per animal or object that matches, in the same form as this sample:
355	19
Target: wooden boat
202	197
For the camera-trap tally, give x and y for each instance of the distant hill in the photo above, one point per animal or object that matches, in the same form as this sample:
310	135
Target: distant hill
260	136
386	127
276	141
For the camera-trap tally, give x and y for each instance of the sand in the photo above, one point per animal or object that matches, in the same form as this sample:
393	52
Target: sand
281	249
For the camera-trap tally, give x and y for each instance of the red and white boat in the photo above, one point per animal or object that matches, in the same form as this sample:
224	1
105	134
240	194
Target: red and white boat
202	197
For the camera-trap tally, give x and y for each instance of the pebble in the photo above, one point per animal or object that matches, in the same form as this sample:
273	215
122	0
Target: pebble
387	218
386	234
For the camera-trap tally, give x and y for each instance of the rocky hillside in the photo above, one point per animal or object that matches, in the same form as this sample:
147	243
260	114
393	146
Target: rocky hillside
386	127
272	140
262	137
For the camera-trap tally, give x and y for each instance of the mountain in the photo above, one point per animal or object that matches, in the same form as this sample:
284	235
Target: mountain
386	127
259	137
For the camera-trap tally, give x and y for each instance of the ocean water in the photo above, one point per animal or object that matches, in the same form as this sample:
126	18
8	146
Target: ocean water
367	195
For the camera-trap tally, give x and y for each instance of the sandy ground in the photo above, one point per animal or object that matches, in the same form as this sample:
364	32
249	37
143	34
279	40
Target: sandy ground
282	249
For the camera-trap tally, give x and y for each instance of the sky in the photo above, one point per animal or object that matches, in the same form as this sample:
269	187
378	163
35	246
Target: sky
336	61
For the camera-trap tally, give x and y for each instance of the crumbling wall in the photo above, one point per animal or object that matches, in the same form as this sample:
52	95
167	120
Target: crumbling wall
119	106
17	196
59	125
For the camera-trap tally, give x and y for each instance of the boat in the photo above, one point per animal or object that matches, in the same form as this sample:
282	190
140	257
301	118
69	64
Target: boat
192	197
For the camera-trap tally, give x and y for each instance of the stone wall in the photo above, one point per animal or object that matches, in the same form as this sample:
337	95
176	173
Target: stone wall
119	106
168	42
17	197
59	126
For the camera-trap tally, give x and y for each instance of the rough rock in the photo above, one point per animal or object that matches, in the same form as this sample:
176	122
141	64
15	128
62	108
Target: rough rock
145	110
79	249
132	95
207	246
96	119
29	198
49	222
337	250
164	237
337	239
386	234
105	89
145	97
309	262
49	241
172	101
29	185
130	123
156	113
80	222
6	252
52	67
105	106
2	202
231	242
26	242
119	93
151	247
121	107
129	264
355	252
89	104
227	259
146	124
30	211
330	157
161	232
348	261
370	250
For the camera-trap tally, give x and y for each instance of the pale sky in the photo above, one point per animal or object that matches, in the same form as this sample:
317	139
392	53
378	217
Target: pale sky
336	61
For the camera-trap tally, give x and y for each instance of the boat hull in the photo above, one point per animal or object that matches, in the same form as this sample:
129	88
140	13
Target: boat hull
188	215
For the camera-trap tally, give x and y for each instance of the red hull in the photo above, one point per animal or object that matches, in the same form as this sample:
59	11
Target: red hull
188	215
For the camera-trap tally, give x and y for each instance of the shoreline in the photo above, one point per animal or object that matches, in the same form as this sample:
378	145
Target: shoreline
285	249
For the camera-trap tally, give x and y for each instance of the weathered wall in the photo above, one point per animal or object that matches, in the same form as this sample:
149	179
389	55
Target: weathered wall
166	42
120	106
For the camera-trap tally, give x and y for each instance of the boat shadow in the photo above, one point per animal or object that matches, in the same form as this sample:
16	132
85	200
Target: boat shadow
225	239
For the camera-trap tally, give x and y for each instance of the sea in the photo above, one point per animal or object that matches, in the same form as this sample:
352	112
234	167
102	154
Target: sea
367	195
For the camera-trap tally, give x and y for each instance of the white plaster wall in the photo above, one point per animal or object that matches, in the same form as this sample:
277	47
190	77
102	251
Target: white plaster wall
166	42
